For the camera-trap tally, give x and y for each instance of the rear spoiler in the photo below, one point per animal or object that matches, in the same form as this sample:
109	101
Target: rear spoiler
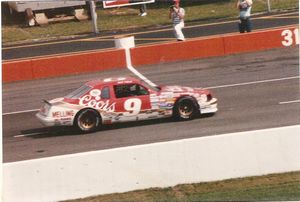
47	102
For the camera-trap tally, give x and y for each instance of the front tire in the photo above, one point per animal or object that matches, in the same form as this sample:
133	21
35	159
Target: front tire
185	109
88	120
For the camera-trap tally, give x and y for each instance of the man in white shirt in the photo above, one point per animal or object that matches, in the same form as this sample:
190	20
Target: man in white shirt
244	7
177	15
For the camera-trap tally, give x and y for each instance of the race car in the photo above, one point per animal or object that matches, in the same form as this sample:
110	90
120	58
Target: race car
113	100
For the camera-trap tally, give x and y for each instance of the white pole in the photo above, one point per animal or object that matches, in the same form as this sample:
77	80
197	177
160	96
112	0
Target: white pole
127	43
94	16
269	6
134	71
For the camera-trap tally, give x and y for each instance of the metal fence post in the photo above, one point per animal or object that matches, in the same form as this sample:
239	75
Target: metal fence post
94	16
269	6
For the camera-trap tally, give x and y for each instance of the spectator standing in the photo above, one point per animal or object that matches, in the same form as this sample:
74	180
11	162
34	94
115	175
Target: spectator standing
244	7
177	15
143	10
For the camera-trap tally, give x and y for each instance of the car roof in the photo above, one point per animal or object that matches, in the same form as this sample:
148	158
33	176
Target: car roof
113	81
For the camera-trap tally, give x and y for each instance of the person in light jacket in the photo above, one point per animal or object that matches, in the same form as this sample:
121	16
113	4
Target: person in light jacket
177	15
244	7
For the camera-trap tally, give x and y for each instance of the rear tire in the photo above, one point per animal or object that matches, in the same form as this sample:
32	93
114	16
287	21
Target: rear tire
88	120
185	109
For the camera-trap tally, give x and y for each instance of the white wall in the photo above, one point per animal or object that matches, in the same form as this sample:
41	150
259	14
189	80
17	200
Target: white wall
154	165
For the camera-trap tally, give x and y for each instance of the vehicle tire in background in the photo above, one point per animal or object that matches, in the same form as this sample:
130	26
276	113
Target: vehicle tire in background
87	120
185	109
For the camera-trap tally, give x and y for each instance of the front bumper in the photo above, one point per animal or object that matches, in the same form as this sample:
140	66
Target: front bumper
209	107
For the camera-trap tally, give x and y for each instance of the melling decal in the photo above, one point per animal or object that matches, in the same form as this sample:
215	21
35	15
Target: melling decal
60	114
94	100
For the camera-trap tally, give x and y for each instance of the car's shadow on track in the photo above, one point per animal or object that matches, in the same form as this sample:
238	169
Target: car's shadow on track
55	131
46	132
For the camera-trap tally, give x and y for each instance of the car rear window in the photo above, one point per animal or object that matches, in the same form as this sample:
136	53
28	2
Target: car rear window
79	92
105	93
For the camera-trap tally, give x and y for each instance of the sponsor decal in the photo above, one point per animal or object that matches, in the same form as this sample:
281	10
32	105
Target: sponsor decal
94	100
66	119
111	79
155	107
96	93
66	123
166	105
167	95
62	114
179	89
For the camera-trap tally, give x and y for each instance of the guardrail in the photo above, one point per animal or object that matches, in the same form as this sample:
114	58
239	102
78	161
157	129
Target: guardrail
163	164
150	54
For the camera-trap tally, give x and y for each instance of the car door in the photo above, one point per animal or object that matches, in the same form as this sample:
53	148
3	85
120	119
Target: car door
132	102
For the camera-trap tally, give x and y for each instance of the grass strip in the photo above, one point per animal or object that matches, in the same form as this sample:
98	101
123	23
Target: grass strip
275	187
127	18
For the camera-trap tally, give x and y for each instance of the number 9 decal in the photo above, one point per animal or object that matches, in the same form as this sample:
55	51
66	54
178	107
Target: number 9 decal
133	106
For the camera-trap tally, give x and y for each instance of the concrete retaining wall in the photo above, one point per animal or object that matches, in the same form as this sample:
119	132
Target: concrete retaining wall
149	54
154	165
62	65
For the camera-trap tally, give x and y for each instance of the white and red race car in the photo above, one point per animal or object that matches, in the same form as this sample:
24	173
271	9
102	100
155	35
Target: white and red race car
124	99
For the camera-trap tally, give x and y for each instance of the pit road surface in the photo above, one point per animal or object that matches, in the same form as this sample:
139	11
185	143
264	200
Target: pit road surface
255	91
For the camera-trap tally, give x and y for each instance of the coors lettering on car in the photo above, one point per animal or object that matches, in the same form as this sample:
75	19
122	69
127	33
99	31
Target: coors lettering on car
115	100
93	100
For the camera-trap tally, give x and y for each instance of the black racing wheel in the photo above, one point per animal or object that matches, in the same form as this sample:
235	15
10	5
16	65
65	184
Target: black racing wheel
185	109
88	120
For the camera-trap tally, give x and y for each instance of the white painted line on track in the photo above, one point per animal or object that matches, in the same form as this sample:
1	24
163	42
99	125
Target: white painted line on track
254	82
289	102
212	87
20	112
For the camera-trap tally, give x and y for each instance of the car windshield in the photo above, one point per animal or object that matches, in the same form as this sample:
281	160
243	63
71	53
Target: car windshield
79	92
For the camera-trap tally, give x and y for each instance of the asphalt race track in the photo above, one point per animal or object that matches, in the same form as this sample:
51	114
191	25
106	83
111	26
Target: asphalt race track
255	91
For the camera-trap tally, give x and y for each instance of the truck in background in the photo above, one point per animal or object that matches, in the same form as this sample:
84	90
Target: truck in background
43	12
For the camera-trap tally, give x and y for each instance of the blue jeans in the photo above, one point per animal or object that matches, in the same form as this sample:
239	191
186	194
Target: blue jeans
245	25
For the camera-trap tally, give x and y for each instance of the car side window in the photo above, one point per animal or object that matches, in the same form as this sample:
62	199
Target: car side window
105	93
128	90
140	90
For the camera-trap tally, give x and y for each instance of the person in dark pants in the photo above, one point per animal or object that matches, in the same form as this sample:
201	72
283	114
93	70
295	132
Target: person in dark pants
244	7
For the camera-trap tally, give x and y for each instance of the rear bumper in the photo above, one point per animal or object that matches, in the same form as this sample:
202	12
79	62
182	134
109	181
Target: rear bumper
47	121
